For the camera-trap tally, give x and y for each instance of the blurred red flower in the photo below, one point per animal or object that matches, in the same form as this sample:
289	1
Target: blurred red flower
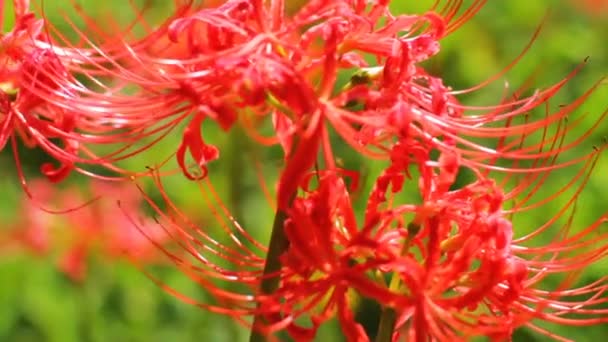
76	232
593	7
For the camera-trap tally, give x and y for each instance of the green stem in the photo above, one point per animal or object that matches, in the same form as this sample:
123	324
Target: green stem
388	318
386	325
278	245
300	155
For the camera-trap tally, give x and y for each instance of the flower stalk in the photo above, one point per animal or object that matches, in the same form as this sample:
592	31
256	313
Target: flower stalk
270	279
386	327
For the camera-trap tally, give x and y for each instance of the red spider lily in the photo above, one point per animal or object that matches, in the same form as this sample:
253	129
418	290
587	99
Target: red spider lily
78	233
23	113
34	65
245	57
452	265
100	121
246	61
456	270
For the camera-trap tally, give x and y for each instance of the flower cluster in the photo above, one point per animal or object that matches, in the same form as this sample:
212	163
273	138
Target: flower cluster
444	257
75	234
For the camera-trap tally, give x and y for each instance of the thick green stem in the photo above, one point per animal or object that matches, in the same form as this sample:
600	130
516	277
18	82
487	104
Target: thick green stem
386	325
388	318
278	245
301	158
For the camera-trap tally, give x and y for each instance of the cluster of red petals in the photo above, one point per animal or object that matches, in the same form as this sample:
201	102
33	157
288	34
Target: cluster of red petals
74	235
449	267
245	61
23	113
45	102
447	258
247	58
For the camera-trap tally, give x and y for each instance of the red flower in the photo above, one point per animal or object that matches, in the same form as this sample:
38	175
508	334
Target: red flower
245	57
39	97
456	266
451	265
26	68
79	231
246	62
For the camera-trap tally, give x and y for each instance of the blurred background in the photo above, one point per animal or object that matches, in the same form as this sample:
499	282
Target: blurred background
71	277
